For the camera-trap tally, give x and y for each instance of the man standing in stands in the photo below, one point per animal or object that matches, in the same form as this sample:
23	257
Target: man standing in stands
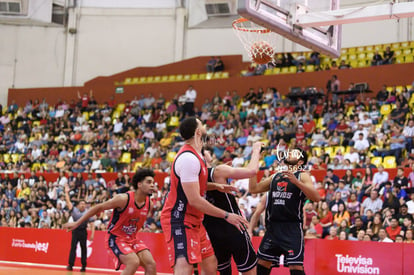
190	97
185	205
130	211
79	234
284	214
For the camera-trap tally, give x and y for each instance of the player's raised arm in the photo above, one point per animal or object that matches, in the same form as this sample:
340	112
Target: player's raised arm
225	171
262	186
118	201
305	184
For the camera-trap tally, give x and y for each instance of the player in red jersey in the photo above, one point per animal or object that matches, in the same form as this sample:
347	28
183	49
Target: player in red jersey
130	211
185	205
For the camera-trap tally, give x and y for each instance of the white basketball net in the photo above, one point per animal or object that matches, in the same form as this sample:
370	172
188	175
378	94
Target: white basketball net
256	39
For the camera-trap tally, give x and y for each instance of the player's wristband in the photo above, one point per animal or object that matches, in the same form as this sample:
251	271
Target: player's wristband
226	215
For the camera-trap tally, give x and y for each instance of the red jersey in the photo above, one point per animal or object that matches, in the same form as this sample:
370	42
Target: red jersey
128	221
176	209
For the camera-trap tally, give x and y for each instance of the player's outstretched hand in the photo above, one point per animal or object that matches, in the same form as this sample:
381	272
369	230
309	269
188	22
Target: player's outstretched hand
70	226
257	146
225	188
238	221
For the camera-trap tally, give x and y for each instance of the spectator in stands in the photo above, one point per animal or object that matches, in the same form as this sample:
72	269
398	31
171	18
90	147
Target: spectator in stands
397	144
341	215
383	236
408	133
408	236
333	234
394	229
190	97
380	177
410	203
400	179
356	227
361	144
388	56
344	189
314	59
376	59
372	203
334	204
343	65
331	178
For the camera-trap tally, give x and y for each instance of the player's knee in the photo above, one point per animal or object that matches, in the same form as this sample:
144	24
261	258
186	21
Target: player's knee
133	263
151	267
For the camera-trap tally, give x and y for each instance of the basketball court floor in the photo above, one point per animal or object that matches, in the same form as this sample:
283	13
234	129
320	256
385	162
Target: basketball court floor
15	268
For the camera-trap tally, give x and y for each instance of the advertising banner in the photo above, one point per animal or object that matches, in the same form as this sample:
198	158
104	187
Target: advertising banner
322	257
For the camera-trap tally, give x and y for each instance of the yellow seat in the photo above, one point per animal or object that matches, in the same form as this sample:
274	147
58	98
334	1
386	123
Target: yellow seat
376	161
310	68
317	150
385	109
330	151
399	59
265	142
125	158
164	78
15	157
174	121
409	59
120	107
170	156
87	147
390	162
36	166
6	158
85	115
225	75
284	70
276	70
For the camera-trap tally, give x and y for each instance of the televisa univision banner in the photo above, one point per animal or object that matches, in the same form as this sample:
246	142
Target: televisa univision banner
322	257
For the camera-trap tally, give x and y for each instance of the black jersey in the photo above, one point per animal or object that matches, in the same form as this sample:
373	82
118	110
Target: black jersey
222	200
284	200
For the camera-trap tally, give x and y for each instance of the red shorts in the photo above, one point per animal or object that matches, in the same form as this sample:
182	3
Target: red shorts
122	246
189	241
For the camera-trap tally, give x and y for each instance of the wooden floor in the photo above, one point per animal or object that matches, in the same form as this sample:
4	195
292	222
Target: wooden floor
9	270
14	268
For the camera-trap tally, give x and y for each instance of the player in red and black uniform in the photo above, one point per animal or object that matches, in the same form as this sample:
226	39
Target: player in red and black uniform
185	205
284	215
130	211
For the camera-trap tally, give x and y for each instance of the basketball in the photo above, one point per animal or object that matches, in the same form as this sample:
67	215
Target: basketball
261	52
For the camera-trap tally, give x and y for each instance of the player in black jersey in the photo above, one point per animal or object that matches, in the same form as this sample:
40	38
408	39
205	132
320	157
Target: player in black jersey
288	190
227	240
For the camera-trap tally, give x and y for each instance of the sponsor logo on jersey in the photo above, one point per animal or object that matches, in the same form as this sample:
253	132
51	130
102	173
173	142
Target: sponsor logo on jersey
282	186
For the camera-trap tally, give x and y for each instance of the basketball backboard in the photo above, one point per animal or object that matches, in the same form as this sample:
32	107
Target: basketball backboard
280	16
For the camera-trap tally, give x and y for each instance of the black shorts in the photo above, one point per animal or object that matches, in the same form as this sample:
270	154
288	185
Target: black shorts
229	242
283	239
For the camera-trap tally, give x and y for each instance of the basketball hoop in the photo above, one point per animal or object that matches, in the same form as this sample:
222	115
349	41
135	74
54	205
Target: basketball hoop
258	41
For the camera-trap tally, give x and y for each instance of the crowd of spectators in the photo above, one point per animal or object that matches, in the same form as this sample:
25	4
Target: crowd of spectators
85	137
300	61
